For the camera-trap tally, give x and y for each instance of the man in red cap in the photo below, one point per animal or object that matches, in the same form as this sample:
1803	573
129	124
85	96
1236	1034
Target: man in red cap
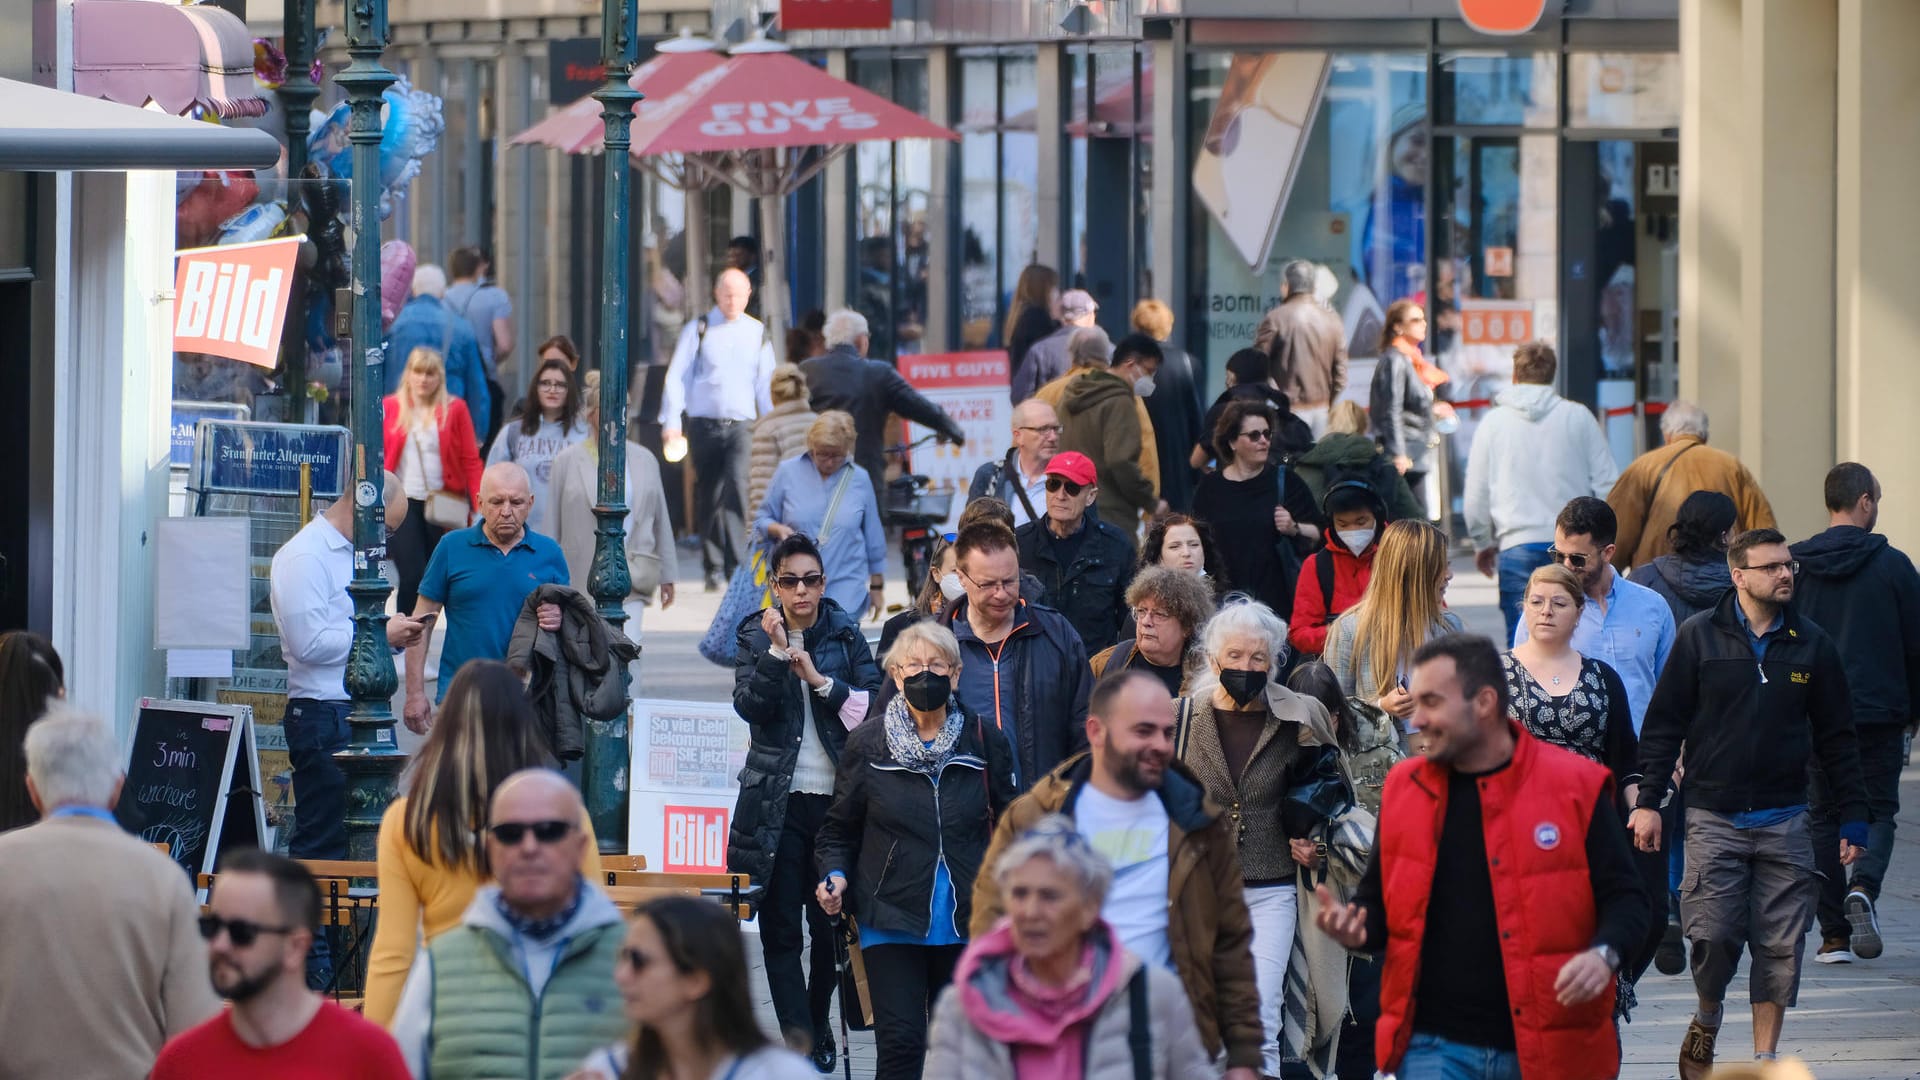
1082	563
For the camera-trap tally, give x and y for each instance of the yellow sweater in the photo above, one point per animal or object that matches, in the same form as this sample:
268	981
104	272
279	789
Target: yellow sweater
420	900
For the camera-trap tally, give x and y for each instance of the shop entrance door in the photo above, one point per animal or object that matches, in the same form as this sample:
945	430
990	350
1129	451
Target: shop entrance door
1622	240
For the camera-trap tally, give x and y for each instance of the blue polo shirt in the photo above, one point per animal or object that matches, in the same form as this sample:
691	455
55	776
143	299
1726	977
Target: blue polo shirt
482	589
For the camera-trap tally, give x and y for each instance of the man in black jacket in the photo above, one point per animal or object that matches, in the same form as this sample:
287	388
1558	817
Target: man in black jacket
1083	564
1755	691
1864	592
868	390
1023	669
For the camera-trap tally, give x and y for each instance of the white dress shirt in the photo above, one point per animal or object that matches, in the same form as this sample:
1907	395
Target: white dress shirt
312	610
727	374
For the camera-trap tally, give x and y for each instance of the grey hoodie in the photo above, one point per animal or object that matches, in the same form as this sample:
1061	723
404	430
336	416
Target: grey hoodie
1535	452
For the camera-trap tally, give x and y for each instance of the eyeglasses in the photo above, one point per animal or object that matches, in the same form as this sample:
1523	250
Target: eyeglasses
549	384
1791	566
635	959
1145	614
796	581
1043	429
915	667
1258	434
241	932
1058	483
1009	585
511	833
1573	559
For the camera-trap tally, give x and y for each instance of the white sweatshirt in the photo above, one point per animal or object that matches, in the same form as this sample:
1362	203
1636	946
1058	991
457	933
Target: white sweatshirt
1533	453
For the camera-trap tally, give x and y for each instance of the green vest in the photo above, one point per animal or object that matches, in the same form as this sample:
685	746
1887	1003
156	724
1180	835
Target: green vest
487	1024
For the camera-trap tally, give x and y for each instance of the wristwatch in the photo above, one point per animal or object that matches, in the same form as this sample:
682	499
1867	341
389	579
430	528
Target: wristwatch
1610	955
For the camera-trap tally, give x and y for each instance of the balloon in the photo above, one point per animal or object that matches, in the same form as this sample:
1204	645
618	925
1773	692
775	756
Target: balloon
396	279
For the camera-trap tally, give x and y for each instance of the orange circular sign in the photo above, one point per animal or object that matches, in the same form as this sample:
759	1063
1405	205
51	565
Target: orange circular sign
1502	17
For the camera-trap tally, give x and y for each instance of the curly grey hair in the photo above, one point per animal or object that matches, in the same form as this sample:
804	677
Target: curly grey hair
1056	837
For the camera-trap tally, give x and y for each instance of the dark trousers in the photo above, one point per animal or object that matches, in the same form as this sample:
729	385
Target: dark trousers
1882	748
1652	867
410	546
315	731
721	451
1355	1060
1416	483
800	1001
904	981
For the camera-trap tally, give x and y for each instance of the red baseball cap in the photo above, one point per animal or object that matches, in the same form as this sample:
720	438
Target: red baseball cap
1073	466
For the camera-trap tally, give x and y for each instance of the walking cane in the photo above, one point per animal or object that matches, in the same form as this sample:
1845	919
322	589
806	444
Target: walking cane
843	967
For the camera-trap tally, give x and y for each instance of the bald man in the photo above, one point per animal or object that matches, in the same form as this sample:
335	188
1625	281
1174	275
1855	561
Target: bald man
720	380
480	576
1020	480
530	967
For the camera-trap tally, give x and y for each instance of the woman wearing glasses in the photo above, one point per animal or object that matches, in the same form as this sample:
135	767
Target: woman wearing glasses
802	677
547	422
431	855
1403	398
824	495
1263	536
1371	645
914	804
1168	607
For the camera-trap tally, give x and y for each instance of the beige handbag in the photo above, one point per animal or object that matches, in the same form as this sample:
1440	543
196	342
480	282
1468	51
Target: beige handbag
444	509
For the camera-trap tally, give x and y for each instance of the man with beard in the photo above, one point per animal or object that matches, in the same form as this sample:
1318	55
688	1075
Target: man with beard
1755	692
1148	814
261	921
1501	890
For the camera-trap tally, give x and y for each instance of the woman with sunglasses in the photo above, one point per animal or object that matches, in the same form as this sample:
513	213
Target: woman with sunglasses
913	809
802	678
547	422
682	975
432	856
1371	645
1263	536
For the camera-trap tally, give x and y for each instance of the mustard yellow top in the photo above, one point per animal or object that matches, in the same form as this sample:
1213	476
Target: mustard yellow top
420	900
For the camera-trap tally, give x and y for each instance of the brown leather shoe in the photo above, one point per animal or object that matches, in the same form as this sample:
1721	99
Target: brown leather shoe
1696	1050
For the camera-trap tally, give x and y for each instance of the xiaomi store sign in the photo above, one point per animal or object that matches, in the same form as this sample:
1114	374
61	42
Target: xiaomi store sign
232	301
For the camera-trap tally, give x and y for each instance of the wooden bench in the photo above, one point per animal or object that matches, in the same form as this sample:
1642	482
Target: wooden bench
729	888
622	862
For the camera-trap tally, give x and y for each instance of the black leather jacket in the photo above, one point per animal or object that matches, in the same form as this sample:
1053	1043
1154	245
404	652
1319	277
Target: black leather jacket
1091	591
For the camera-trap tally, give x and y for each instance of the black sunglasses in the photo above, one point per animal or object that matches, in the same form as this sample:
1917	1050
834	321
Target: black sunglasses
1055	483
794	581
1574	560
1258	434
511	833
240	931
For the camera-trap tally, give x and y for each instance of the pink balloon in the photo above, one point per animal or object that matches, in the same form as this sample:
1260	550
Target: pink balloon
396	279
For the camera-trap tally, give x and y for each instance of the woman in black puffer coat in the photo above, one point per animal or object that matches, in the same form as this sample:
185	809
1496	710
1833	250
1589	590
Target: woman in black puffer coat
1694	576
802	678
919	788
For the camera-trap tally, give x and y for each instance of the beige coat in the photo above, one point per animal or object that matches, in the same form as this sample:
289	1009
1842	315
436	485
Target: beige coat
102	960
957	1050
575	487
777	436
1645	514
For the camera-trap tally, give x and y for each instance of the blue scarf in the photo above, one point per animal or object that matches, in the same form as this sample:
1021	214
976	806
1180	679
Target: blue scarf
541	929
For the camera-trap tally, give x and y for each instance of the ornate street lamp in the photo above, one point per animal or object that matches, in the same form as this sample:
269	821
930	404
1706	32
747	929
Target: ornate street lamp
605	774
297	93
372	760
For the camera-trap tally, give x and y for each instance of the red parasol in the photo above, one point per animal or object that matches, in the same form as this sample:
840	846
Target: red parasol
579	129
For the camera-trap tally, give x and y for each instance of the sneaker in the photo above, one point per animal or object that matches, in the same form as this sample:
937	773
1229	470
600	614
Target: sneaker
1670	956
1696	1050
713	582
1833	950
823	1055
1865	938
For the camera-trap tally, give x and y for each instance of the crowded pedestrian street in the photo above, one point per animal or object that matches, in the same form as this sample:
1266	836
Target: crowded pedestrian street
959	540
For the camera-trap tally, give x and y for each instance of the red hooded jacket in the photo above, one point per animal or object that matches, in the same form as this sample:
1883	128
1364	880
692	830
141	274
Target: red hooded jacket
459	451
1307	629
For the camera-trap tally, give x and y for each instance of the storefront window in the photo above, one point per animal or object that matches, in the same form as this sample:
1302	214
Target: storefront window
999	185
1110	101
1305	156
889	263
1623	90
1497	89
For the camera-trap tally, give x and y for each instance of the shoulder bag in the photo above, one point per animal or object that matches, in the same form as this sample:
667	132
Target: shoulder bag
444	509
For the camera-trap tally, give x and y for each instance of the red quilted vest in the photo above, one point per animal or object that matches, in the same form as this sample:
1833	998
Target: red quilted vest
1535	814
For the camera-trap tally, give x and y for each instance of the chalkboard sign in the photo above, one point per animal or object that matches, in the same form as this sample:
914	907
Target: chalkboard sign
193	781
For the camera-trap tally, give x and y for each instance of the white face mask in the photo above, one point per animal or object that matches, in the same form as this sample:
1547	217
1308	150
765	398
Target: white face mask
1356	539
950	586
1143	386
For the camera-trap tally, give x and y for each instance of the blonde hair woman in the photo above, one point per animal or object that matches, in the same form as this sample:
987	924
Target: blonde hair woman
431	855
780	434
825	496
1371	646
431	447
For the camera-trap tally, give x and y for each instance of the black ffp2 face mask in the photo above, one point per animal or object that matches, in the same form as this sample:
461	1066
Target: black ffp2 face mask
1244	687
927	692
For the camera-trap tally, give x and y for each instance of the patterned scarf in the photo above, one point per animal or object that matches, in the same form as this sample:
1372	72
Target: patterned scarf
903	737
540	929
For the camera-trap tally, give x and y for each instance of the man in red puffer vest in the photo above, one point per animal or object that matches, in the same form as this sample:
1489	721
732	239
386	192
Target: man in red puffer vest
1511	851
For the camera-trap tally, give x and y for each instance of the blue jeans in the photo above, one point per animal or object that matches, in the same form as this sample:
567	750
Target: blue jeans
1518	563
1430	1057
315	731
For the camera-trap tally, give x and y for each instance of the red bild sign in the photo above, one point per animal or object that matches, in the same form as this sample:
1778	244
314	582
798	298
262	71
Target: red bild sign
695	839
836	14
1502	17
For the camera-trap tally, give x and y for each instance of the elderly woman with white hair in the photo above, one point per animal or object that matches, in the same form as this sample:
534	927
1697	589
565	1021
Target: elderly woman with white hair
868	390
1051	992
914	801
1241	731
830	499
